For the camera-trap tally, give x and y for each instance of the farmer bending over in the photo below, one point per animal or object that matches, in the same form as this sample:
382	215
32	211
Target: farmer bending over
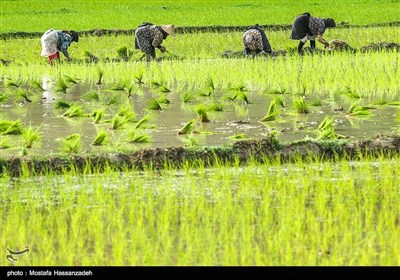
54	41
255	41
149	36
307	27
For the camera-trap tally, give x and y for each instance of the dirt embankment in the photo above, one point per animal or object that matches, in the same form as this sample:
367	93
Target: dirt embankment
268	149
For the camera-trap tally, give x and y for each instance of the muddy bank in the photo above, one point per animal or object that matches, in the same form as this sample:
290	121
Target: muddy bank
188	29
268	149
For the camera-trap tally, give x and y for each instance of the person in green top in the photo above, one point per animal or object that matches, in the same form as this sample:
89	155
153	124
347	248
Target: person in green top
54	41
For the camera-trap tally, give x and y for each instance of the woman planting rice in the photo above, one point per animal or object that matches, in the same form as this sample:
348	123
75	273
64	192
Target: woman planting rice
255	41
306	27
149	36
54	41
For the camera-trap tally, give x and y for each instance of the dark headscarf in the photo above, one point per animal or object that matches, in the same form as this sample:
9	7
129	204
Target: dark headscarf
75	35
329	22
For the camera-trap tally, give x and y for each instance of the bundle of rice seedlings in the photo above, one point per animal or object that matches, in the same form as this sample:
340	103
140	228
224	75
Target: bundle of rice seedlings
300	106
10	83
142	121
30	135
72	143
134	137
216	106
187	128
272	112
97	115
21	93
38	85
118	122
61	104
100	139
201	111
74	110
91	95
10	127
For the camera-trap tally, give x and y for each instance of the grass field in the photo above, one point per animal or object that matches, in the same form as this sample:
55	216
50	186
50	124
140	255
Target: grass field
39	16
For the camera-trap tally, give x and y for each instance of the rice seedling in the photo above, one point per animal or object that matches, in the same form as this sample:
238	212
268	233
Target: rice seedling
380	102
91	58
10	83
61	85
74	110
126	111
201	111
100	75
279	101
216	106
190	141
97	115
351	93
207	93
187	97
91	95
124	53
356	110
300	105
111	100
70	80
118	122
118	86
134	137
4	143
101	138
315	102
139	78
129	89
240	136
142	121
241	96
23	94
3	97
155	105
61	104
8	127
164	89
210	83
278	91
72	144
272	112
30	135
326	123
187	128
38	85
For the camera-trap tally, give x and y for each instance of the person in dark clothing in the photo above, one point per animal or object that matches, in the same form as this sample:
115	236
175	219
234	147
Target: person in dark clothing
149	36
306	27
255	41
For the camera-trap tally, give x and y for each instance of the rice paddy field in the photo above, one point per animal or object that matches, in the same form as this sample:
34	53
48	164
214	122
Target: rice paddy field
255	209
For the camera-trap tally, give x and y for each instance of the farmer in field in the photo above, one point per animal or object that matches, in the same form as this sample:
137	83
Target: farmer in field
149	36
255	41
54	41
306	27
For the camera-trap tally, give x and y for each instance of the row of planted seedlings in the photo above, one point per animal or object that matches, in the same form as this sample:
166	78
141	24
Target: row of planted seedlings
209	98
309	212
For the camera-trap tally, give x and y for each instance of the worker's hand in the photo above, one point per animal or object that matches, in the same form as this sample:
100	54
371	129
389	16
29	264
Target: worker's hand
163	49
68	58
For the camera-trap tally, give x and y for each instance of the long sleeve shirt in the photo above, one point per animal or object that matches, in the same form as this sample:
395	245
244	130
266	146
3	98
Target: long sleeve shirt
64	40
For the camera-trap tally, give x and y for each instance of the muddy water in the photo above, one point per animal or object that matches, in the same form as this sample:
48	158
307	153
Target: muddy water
236	118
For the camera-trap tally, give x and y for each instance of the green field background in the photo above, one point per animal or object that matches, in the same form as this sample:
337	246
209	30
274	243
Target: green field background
35	16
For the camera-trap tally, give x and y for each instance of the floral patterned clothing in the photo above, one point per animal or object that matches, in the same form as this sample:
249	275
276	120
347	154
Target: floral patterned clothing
148	38
316	26
252	40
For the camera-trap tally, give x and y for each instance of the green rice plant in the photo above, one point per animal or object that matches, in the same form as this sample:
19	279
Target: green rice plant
100	75
90	58
139	78
326	123
240	88
10	127
239	136
100	139
111	100
190	141
97	115
154	104
351	93
300	105
70	80
394	103
10	83
279	101
242	96
163	88
118	86
23	94
38	85
356	110
316	102
118	122
187	128
216	106
126	111
72	144
30	135
326	129
272	112
142	121
124	53
134	137
3	97
61	85
61	104
91	95
129	89
381	102
163	100
187	97
278	91
201	111
210	83
4	143
208	93
75	110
